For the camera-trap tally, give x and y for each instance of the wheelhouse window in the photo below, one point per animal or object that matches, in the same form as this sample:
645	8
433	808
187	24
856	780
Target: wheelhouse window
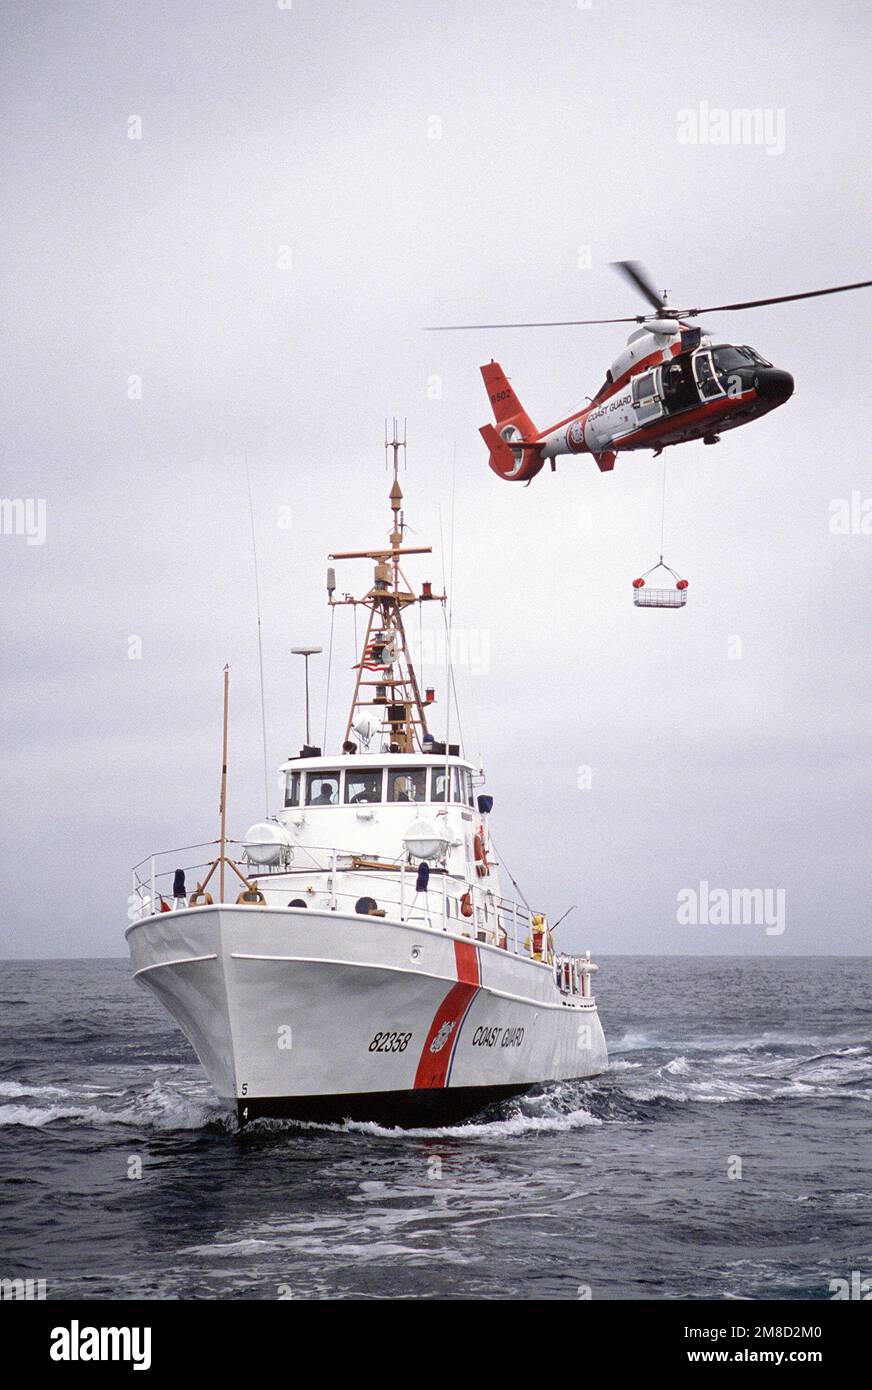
292	788
450	779
363	784
470	790
407	784
322	788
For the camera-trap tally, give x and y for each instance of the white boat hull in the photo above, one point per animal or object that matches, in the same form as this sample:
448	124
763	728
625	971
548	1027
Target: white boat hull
328	1016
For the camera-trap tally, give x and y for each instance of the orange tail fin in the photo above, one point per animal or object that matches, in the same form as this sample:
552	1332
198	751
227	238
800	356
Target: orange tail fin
506	407
514	429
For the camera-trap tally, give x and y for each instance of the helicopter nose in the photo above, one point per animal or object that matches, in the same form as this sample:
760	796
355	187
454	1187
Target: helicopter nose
774	385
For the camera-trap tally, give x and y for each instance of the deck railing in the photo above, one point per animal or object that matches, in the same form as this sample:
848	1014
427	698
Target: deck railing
496	920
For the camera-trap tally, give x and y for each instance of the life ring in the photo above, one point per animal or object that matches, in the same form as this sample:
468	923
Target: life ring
481	865
466	905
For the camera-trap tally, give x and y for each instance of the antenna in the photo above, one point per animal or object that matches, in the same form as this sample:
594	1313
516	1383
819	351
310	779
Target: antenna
223	807
259	639
223	859
395	444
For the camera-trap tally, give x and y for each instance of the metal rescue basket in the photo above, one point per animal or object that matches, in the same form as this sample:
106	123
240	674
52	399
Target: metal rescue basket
643	597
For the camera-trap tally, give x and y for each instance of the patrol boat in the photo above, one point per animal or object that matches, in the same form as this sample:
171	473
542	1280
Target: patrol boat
370	967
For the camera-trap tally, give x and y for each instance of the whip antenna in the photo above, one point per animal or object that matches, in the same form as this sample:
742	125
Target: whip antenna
259	639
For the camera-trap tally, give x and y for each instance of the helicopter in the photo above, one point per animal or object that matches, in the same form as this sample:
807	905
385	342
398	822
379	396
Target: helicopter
672	383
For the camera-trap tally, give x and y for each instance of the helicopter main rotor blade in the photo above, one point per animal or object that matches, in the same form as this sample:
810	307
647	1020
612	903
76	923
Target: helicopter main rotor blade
637	275
777	299
560	323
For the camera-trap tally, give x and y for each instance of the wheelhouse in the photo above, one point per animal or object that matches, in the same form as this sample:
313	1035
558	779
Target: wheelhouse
392	779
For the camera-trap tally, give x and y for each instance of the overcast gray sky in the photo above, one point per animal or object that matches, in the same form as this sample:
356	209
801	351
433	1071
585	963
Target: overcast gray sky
313	183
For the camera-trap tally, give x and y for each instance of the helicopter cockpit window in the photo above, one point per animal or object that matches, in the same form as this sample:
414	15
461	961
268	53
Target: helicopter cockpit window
407	784
756	357
363	784
727	359
292	788
322	789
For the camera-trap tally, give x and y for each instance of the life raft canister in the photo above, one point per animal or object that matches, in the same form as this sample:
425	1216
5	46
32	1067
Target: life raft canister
466	905
482	867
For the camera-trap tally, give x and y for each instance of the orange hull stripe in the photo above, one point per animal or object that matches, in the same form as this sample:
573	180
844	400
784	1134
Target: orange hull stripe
433	1065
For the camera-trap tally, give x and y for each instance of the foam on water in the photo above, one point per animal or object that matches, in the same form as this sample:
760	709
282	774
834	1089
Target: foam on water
513	1127
163	1105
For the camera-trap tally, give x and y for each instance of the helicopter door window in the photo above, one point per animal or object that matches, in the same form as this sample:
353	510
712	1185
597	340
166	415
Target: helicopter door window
646	398
708	384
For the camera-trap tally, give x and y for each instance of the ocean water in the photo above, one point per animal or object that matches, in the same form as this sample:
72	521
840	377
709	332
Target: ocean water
618	1187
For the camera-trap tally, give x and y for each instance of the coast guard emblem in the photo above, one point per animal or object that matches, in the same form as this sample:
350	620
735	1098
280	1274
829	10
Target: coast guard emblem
442	1036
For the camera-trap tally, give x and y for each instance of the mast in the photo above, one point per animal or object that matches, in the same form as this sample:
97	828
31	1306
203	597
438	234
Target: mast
386	684
223	808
